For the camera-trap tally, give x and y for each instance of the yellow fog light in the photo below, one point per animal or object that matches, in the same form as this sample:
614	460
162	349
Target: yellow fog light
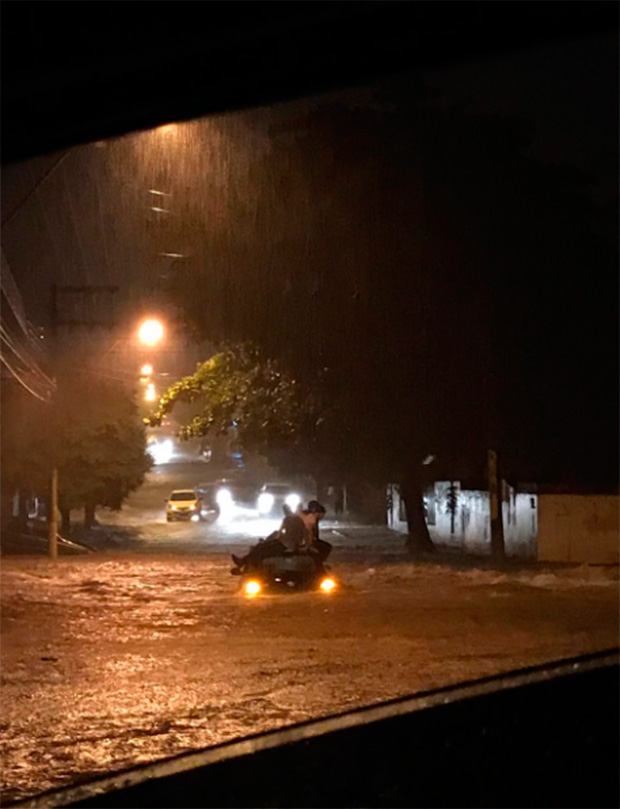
327	585
252	588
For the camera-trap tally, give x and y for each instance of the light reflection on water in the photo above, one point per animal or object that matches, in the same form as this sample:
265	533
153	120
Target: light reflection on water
248	521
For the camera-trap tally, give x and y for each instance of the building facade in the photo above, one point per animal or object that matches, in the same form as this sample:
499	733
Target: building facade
549	527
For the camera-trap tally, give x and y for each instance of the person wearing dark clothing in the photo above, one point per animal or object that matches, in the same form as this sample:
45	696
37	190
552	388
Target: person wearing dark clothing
298	532
292	536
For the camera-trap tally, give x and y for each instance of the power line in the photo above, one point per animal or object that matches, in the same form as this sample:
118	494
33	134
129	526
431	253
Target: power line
30	364
13	297
20	380
12	293
21	348
36	188
42	389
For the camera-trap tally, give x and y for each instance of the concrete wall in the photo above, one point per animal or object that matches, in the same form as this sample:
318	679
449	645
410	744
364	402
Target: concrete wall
470	528
579	528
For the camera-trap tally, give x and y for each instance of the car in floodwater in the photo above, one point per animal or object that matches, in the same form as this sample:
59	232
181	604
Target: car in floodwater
272	498
225	494
183	504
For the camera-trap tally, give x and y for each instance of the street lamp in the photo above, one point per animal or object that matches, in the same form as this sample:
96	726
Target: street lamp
150	332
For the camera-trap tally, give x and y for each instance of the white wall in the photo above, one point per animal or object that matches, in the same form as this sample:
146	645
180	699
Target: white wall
520	520
472	524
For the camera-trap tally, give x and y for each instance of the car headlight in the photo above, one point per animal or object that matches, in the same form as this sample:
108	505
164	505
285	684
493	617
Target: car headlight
224	498
173	508
293	501
252	588
265	502
327	585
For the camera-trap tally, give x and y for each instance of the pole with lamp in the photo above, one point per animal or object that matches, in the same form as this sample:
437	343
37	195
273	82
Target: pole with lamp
150	334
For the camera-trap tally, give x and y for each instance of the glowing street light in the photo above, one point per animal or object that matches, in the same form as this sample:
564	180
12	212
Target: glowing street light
146	370
150	332
150	394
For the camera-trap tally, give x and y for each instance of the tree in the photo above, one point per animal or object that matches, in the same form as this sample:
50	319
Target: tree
92	434
23	433
239	388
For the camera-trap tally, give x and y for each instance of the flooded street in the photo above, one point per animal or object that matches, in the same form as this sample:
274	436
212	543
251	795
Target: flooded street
111	660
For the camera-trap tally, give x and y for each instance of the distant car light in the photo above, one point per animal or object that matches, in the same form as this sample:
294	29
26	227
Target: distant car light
224	498
252	588
293	501
327	585
265	502
161	451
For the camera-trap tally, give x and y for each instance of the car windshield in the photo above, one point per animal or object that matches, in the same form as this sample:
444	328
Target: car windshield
399	299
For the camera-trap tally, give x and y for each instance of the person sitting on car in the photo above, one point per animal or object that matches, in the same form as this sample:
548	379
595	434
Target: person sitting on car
312	516
298	532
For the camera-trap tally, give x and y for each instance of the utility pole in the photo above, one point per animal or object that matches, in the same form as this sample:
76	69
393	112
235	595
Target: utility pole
52	518
498	550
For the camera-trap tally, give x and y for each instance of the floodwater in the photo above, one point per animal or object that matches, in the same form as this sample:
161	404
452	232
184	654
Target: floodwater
114	660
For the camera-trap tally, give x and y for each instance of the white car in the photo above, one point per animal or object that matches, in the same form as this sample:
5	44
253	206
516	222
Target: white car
183	504
273	496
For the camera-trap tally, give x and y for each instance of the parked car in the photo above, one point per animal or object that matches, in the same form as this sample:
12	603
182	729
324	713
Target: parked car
183	504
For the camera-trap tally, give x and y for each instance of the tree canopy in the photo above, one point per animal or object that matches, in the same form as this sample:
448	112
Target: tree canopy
272	414
93	435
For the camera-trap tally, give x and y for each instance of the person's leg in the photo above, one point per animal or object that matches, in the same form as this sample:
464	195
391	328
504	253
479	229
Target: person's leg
323	549
240	561
265	546
271	547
